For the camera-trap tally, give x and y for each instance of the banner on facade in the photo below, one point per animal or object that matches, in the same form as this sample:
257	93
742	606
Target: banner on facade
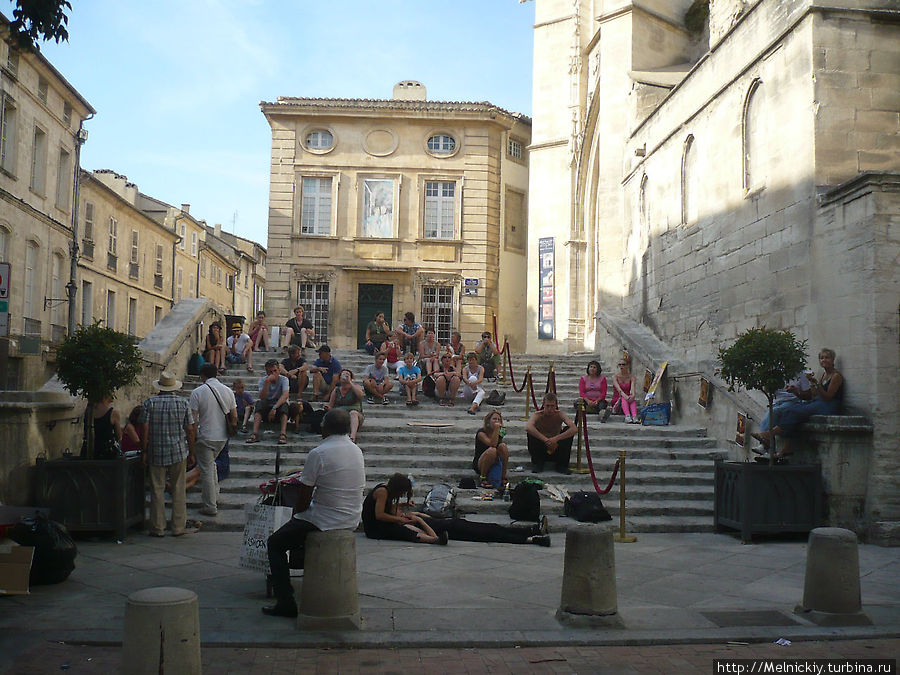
4	299
547	299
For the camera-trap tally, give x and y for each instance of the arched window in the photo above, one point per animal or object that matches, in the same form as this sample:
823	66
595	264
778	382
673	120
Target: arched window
753	137
644	203
689	181
4	244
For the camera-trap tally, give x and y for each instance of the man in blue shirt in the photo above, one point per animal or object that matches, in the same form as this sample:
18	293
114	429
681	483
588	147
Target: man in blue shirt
324	370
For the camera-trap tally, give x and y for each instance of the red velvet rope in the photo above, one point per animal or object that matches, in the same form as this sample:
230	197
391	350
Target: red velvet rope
587	452
531	390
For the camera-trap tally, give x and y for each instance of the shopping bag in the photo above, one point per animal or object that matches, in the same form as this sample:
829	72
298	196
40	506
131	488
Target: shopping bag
262	520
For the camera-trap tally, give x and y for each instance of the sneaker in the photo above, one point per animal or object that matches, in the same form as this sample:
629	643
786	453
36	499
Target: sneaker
628	419
541	540
208	512
385	400
443	538
605	415
370	399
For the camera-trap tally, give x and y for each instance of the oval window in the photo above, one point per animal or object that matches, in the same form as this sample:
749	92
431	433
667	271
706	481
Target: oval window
320	139
441	144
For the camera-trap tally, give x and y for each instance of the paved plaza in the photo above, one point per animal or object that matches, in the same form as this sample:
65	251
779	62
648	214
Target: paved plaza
673	589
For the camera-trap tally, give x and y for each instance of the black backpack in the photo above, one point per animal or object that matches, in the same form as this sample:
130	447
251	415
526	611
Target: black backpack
586	507
526	502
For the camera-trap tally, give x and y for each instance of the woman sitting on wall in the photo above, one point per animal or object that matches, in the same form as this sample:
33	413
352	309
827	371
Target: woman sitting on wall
827	397
214	350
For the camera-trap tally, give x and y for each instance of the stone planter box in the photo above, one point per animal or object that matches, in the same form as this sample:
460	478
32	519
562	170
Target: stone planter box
93	495
757	498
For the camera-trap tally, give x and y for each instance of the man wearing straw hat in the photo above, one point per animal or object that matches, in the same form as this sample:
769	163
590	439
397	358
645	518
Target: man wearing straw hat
168	434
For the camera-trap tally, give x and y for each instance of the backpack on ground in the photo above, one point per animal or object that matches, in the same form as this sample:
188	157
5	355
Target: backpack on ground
586	507
440	502
525	502
54	548
428	386
495	398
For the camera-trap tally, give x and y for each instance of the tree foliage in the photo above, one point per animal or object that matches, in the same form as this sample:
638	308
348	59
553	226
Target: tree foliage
763	359
95	361
35	20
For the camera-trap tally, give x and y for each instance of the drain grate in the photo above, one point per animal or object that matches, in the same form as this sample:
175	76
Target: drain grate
749	618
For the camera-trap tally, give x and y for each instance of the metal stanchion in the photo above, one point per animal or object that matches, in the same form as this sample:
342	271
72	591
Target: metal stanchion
551	379
622	537
501	379
580	421
527	394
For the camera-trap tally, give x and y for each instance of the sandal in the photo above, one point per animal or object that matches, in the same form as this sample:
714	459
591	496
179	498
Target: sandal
485	483
451	403
253	439
443	402
282	440
244	429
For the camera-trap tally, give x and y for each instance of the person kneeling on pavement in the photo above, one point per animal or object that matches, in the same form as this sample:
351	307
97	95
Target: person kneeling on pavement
330	498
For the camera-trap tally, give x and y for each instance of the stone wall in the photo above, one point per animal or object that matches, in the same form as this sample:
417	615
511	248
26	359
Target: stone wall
48	422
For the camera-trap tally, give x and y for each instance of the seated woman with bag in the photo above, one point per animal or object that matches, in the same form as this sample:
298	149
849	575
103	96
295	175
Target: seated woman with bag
383	519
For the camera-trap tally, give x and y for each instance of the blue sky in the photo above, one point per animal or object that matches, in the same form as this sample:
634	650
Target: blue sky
176	84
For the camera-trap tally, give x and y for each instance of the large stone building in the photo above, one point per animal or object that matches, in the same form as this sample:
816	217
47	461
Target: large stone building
397	205
40	136
700	174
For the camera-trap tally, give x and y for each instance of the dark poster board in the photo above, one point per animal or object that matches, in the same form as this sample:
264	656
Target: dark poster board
547	300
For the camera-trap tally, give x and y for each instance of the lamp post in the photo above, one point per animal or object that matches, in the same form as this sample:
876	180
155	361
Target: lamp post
72	286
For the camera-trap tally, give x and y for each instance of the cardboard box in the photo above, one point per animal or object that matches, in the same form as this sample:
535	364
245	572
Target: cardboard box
15	568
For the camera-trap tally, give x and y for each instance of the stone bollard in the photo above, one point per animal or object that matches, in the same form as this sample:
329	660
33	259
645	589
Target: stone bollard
588	595
162	632
329	599
831	585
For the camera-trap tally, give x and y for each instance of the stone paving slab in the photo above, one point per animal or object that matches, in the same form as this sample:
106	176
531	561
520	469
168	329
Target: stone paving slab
465	594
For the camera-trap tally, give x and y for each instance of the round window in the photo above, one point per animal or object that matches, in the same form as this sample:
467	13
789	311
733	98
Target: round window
320	139
442	144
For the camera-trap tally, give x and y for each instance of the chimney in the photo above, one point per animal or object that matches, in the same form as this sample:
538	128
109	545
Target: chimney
409	90
218	230
186	208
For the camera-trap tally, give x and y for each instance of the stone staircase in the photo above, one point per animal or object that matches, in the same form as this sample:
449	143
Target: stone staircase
669	476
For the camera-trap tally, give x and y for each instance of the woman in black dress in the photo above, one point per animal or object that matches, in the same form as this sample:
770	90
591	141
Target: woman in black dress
383	519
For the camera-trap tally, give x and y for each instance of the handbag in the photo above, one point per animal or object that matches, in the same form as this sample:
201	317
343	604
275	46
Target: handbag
231	427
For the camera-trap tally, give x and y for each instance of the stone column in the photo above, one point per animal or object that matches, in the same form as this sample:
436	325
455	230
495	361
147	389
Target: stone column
589	577
329	598
162	632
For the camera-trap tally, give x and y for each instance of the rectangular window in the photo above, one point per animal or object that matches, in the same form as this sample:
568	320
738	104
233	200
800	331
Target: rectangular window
203	266
194	244
12	62
314	298
315	210
179	279
437	309
88	221
183	233
32	281
191	285
57	317
39	162
132	316
159	259
157	314
219	276
42	88
67	114
229	282
514	148
87	303
134	246
113	246
62	180
111	309
8	135
440	207
514	220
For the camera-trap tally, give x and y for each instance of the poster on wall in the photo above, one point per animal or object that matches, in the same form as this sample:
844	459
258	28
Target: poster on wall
378	208
546	301
705	392
654	385
741	431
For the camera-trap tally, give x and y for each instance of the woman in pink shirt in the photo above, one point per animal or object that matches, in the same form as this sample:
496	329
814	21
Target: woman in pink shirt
592	391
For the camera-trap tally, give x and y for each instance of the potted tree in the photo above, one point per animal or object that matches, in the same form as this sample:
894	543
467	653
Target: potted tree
94	494
766	497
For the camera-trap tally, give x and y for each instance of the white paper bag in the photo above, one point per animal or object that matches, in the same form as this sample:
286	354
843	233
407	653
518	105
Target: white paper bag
262	520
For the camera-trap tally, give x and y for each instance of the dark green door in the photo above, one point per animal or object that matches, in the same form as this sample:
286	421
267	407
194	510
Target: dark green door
373	298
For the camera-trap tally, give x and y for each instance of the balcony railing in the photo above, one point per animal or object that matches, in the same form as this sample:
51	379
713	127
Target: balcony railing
157	281
133	269
87	249
112	262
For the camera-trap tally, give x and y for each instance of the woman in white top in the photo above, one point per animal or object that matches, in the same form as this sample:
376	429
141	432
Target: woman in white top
472	377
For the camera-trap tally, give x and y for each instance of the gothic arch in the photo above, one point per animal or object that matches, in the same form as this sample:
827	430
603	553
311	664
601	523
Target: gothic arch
751	129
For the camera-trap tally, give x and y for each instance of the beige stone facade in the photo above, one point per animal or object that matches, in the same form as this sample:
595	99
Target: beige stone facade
39	125
397	205
735	176
125	268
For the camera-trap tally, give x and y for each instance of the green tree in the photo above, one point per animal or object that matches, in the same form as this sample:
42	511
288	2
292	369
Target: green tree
763	359
35	20
94	362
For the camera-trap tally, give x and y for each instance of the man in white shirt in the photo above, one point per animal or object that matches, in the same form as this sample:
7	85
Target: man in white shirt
330	498
209	404
240	348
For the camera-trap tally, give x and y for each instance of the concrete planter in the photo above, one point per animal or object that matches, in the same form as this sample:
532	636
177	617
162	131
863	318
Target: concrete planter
757	498
93	495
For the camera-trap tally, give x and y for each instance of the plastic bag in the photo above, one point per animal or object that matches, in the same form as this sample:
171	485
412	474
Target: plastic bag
54	548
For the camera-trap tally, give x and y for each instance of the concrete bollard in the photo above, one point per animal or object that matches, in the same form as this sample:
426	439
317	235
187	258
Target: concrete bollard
329	599
588	595
831	586
162	632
